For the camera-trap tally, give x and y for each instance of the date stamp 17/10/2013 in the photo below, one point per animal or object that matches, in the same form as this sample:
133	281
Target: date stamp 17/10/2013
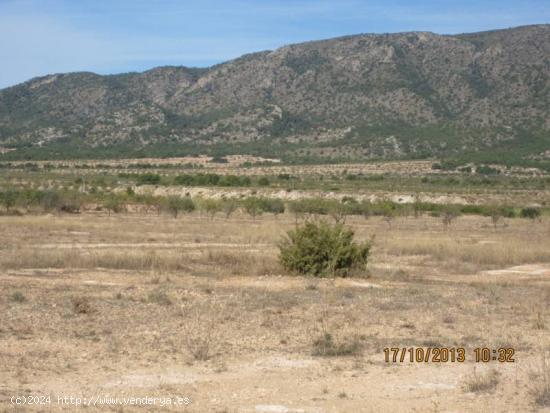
448	355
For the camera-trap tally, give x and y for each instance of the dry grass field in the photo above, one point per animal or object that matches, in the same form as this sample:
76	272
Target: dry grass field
135	305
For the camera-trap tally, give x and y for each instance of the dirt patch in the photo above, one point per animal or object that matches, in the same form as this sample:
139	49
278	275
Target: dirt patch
141	330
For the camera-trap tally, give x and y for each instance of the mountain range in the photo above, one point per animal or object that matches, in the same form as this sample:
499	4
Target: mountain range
368	96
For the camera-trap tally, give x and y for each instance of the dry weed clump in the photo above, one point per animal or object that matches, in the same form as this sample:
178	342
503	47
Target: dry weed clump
479	383
202	334
241	263
541	379
332	338
327	345
505	252
538	322
76	258
159	297
236	262
81	305
18	297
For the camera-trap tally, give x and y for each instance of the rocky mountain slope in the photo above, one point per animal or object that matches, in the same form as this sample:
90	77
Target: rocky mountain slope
406	95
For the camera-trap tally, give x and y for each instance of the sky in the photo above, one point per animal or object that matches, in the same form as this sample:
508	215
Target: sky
39	37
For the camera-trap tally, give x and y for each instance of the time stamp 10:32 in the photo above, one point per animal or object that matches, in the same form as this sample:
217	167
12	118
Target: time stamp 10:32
447	355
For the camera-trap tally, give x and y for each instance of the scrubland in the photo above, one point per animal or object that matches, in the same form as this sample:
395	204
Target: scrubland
138	304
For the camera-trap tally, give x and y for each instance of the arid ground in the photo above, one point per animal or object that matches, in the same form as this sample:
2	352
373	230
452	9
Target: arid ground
140	305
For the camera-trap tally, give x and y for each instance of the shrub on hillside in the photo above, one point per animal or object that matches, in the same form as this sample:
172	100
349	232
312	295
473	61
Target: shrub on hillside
487	170
321	249
212	180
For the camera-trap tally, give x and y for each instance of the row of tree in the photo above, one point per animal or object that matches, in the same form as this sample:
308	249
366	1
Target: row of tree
72	202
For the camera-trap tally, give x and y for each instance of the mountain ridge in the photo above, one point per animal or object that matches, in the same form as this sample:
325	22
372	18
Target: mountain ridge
365	96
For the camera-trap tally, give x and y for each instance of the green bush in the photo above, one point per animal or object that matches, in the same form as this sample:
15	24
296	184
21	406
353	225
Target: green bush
18	297
263	181
498	212
50	200
255	206
321	249
273	205
113	204
148	179
351	206
530	212
176	204
229	206
212	180
487	170
8	198
232	180
70	204
384	208
313	206
450	213
211	206
327	346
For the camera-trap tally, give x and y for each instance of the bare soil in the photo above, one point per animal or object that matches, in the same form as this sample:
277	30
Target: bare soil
97	305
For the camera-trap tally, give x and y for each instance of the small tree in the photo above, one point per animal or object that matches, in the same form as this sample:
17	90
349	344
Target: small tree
50	200
449	215
389	215
8	199
148	179
530	212
263	181
253	206
176	204
229	207
70	203
365	209
113	204
496	215
417	207
211	206
339	211
321	249
152	202
297	209
274	206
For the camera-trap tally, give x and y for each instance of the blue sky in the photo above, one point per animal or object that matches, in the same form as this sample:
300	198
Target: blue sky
39	37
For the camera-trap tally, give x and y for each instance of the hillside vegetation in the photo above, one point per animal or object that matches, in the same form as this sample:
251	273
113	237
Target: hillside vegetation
482	97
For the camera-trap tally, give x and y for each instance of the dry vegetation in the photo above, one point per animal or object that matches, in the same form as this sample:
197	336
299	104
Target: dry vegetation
481	382
147	305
